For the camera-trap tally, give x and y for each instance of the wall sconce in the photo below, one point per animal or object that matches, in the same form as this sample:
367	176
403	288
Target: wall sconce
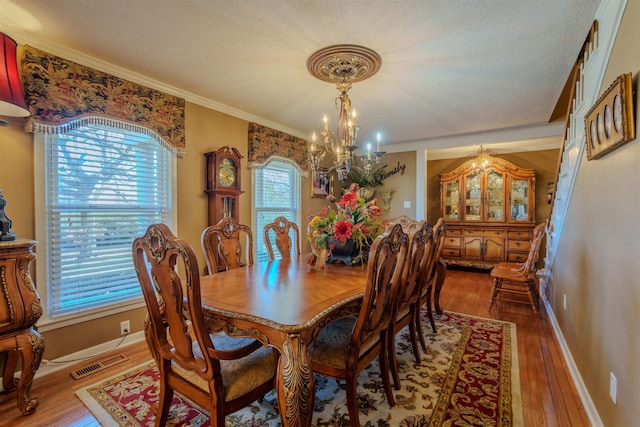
12	104
386	199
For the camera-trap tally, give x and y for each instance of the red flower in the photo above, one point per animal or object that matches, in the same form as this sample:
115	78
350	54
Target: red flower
342	230
348	200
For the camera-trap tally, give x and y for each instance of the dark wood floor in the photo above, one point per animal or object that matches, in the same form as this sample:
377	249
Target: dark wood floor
548	395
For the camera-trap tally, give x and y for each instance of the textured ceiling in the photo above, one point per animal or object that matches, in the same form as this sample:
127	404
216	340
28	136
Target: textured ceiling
449	67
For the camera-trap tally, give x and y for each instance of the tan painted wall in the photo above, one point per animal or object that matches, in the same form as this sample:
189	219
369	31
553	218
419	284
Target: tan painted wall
597	263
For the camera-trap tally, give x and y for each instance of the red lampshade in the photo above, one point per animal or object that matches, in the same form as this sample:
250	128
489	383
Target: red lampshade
12	101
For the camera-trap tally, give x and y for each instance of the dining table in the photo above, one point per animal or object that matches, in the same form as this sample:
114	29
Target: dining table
284	304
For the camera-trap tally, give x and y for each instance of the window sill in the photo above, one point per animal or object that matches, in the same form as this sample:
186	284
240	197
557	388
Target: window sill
45	325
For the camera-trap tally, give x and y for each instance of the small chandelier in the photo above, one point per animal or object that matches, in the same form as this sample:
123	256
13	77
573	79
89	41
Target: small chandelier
482	162
344	65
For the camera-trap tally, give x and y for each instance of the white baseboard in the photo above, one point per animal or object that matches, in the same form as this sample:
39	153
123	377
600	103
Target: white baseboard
50	366
589	407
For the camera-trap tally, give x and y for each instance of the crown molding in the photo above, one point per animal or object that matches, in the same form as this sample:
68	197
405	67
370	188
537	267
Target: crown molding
107	67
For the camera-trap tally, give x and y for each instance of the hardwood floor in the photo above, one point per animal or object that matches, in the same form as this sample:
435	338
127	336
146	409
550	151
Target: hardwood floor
548	395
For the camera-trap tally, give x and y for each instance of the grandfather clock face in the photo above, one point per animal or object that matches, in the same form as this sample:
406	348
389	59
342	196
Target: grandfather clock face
227	173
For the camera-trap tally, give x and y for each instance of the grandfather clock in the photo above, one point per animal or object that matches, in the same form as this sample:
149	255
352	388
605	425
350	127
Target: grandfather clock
222	178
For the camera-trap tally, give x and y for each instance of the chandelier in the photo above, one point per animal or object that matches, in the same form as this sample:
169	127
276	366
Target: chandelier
482	162
344	65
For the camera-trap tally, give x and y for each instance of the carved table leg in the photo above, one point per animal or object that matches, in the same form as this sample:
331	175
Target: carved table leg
441	272
8	381
295	383
31	346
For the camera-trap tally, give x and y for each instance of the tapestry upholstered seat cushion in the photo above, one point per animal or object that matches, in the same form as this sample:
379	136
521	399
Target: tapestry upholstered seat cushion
239	375
332	344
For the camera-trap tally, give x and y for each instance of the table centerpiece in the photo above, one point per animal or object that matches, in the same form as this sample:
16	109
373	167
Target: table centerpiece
344	233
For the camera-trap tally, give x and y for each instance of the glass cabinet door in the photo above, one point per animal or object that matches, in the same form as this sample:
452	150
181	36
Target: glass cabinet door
495	196
452	201
472	197
519	200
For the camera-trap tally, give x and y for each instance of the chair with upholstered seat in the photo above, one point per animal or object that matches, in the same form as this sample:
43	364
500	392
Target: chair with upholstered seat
212	372
421	252
513	278
282	229
345	347
223	248
436	271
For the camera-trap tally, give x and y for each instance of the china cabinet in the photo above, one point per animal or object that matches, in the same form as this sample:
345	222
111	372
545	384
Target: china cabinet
489	212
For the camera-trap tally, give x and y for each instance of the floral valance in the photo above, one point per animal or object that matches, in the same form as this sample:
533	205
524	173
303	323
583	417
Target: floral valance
62	94
265	143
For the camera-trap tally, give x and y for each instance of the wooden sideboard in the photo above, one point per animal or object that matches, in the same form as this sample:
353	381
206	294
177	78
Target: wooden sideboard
488	205
20	309
483	246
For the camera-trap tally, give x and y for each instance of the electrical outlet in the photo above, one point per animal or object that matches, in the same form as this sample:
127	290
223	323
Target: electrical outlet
564	301
613	387
125	327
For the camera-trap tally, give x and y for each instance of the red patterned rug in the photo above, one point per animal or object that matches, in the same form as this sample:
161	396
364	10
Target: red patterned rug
469	377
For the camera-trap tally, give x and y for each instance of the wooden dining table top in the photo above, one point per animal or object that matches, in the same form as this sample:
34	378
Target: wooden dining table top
282	294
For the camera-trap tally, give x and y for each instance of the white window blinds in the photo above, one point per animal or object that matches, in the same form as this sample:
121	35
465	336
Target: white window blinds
104	187
276	193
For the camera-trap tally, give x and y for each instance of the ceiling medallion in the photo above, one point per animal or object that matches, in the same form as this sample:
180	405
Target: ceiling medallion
343	65
344	62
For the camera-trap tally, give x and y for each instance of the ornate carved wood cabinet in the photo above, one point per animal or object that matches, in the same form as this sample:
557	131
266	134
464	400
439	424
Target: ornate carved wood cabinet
20	309
489	208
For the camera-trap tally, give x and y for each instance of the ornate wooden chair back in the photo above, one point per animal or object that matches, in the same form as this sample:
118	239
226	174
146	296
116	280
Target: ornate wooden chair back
222	244
534	252
346	346
387	258
407	223
187	360
282	227
439	231
420	254
434	277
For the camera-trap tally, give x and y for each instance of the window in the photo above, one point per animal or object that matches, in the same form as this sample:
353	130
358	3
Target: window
276	192
103	187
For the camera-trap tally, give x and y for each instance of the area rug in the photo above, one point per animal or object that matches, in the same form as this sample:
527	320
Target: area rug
468	377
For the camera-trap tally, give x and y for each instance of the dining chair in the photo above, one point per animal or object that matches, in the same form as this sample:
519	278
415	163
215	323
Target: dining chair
213	373
345	347
421	252
436	272
405	221
513	278
222	245
282	227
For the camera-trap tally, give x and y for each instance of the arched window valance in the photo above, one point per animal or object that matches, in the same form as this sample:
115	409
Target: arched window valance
265	143
61	94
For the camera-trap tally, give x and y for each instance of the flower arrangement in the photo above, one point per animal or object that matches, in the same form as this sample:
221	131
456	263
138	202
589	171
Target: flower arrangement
353	218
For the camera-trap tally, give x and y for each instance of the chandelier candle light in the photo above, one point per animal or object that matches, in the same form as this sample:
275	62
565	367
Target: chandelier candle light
343	65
